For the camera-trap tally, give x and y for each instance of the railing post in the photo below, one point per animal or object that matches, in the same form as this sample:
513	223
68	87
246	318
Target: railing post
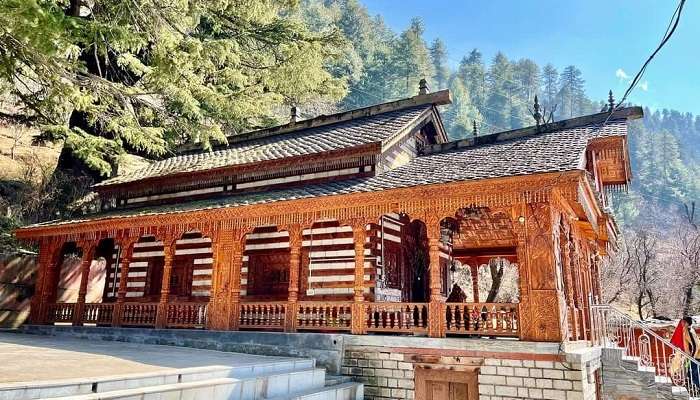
168	255
359	229
88	250
126	250
295	241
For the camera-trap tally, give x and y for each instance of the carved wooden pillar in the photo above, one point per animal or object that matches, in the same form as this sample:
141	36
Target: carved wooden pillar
568	282
540	318
436	307
169	244
474	269
295	240
48	257
217	314
359	229
88	250
126	250
235	249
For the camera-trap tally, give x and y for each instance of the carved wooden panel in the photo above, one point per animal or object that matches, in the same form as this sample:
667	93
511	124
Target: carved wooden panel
544	316
484	228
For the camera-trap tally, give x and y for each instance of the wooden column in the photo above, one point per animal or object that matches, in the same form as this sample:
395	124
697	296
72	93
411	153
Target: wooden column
359	230
88	250
217	312
565	246
436	307
474	269
540	319
48	257
295	240
168	255
126	250
235	250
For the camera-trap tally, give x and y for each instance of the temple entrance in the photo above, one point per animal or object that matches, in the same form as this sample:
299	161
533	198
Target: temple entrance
265	272
439	383
154	283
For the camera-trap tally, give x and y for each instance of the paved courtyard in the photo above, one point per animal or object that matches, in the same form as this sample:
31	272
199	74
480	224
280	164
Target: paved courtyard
32	357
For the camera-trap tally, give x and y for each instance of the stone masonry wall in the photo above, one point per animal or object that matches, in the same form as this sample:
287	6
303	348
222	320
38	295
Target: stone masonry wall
388	371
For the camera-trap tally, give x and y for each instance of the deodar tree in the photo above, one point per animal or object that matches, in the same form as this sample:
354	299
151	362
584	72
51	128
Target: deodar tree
108	77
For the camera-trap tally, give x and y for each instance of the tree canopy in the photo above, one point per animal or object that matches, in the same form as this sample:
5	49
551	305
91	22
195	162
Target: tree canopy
110	76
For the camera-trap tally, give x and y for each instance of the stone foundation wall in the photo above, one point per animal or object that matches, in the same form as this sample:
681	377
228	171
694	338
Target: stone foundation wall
508	370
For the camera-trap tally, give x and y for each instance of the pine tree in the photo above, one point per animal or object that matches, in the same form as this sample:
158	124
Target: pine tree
473	75
499	88
438	55
142	76
461	114
550	87
527	74
412	58
571	92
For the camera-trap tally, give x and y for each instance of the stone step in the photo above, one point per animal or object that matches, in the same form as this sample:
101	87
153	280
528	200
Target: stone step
250	388
332	380
342	391
68	387
214	389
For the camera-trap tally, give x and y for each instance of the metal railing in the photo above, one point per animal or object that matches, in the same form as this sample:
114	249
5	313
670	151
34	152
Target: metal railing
638	343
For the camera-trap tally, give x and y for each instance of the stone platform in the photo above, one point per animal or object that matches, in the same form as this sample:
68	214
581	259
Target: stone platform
62	367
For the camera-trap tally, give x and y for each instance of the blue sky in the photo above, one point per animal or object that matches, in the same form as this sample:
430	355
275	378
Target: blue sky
605	39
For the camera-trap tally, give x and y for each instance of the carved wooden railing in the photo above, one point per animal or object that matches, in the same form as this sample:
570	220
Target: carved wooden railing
186	315
397	317
332	316
139	314
490	319
60	312
263	315
98	313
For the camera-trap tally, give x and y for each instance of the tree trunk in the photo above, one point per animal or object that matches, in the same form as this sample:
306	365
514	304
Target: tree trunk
496	278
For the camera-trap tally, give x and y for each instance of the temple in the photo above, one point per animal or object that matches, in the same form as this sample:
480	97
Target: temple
365	221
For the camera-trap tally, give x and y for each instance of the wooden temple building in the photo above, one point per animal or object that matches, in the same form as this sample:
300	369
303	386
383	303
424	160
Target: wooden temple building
355	222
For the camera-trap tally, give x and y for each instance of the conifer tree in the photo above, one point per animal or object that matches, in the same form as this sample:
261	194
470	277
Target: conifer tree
438	55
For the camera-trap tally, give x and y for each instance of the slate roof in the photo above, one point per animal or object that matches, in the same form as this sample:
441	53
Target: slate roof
346	134
537	153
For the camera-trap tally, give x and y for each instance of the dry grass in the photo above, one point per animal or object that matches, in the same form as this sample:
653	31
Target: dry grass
14	168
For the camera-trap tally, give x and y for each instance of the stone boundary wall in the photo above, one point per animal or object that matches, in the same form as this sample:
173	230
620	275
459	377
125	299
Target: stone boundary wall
509	370
17	276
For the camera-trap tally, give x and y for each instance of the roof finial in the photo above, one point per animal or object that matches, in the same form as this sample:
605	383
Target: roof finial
293	115
423	87
537	115
475	130
611	102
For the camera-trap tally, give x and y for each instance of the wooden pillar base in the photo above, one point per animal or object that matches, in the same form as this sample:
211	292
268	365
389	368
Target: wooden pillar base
117	314
290	318
436	319
359	320
162	316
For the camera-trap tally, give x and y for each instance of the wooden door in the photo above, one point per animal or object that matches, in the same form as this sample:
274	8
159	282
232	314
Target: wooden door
446	384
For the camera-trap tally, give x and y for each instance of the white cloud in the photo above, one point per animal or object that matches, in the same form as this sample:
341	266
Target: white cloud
644	86
621	74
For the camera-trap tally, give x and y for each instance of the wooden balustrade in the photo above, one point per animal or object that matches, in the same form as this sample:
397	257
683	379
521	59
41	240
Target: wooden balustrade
98	313
139	314
479	319
332	316
263	315
186	315
397	317
60	312
491	319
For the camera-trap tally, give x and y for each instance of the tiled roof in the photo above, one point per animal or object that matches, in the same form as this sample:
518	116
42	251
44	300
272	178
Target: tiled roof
346	134
534	154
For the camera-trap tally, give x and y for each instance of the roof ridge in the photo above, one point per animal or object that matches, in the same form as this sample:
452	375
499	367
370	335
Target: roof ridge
586	120
441	97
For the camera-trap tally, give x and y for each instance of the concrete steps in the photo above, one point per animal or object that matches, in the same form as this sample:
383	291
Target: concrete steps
623	370
296	379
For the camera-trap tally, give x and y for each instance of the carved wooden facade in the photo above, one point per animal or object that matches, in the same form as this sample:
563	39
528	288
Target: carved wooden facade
359	262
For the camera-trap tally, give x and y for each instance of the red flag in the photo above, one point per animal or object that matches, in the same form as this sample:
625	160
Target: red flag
677	338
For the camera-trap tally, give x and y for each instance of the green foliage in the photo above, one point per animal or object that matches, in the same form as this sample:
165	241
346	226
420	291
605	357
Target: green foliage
145	75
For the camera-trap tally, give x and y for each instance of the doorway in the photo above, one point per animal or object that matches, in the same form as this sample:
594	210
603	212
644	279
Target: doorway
446	383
